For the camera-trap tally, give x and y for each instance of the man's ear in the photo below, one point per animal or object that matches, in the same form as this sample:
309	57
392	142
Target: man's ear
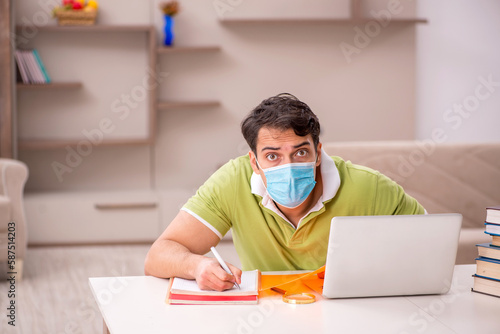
253	162
318	150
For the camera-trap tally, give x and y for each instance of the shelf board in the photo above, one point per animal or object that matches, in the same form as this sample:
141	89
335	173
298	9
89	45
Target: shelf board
181	49
315	21
91	28
50	86
42	144
165	105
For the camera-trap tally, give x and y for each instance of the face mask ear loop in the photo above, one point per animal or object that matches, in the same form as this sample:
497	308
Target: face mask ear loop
257	161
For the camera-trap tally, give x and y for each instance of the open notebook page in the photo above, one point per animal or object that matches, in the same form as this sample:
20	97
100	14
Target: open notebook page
249	283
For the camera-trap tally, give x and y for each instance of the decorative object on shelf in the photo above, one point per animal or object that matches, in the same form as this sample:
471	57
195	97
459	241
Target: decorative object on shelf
169	9
76	12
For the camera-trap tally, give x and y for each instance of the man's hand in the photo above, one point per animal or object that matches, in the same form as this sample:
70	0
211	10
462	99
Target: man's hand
210	276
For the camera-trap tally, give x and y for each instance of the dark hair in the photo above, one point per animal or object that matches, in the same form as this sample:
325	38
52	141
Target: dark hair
283	112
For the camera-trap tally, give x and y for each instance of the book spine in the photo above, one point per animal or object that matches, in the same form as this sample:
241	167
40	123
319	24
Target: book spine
36	69
29	67
41	65
22	67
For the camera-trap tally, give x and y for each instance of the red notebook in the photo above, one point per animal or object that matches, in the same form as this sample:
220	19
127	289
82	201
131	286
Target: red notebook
186	292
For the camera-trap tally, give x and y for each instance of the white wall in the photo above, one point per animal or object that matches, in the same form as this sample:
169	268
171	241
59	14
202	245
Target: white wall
371	97
458	47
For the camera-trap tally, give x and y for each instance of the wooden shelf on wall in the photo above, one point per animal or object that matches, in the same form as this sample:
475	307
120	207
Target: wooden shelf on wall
166	105
43	144
54	86
356	17
281	20
92	28
315	21
187	49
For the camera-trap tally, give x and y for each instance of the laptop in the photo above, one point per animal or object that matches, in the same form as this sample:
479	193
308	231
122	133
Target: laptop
372	256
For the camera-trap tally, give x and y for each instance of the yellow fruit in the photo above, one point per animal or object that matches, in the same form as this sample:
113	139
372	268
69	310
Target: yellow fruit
93	3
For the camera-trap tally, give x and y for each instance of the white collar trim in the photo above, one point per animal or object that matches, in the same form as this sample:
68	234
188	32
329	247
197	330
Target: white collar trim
331	183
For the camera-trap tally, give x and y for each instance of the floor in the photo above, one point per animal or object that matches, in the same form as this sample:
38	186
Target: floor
54	296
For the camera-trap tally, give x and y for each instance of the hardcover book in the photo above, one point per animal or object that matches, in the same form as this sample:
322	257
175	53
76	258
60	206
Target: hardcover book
186	292
492	229
495	240
489	251
486	285
489	268
493	215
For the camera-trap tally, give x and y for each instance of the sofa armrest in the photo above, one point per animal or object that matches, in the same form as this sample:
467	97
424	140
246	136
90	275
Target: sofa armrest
13	176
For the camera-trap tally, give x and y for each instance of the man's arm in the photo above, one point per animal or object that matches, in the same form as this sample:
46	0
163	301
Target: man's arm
178	252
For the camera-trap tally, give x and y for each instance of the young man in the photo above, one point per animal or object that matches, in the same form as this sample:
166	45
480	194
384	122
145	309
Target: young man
279	201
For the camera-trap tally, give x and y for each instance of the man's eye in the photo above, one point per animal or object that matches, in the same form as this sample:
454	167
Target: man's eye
272	157
301	153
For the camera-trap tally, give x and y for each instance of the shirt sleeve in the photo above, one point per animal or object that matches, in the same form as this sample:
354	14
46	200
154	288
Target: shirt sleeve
391	199
211	204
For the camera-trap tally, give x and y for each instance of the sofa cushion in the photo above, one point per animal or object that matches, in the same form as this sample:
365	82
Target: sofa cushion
444	178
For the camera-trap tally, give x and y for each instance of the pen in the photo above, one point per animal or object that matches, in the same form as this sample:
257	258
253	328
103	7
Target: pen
222	263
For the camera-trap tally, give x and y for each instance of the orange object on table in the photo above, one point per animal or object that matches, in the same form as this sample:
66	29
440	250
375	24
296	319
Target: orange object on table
293	283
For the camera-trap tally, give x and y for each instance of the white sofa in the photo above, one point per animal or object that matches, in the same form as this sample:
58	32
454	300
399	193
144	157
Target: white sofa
462	178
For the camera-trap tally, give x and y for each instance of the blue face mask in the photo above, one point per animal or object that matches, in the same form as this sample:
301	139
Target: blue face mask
290	184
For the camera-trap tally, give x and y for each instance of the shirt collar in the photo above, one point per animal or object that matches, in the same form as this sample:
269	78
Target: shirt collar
331	183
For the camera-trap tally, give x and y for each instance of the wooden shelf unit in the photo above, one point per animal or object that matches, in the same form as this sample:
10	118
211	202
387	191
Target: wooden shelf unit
92	28
166	105
40	144
154	50
355	18
44	144
49	86
249	21
187	49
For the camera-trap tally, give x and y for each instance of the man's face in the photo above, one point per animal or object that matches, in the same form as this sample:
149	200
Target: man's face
276	147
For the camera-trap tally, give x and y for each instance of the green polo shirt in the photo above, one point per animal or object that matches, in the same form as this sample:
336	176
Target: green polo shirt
265	239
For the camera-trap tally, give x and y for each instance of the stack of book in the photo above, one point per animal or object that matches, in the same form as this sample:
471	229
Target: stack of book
30	68
487	277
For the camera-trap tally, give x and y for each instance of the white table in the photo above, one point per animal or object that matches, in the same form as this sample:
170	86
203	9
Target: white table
137	305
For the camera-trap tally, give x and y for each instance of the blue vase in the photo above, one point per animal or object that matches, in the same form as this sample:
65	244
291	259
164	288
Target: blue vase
169	30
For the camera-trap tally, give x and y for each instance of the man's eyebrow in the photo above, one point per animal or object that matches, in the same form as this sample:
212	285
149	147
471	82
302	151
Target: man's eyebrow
270	148
302	144
278	148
